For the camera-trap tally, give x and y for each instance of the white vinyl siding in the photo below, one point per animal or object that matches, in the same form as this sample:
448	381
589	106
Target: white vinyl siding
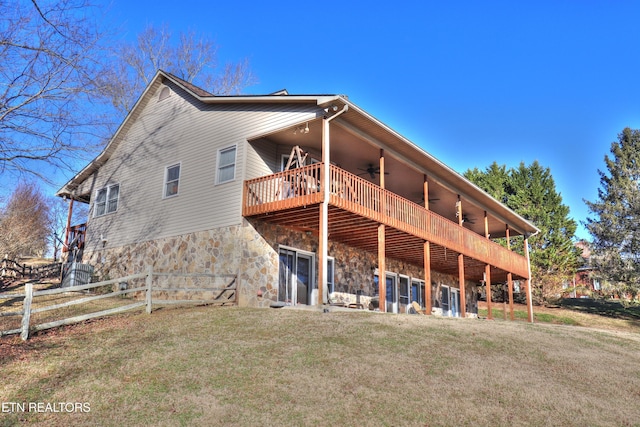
173	129
226	164
171	180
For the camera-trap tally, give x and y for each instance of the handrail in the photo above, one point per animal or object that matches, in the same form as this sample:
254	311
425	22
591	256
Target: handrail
301	187
77	233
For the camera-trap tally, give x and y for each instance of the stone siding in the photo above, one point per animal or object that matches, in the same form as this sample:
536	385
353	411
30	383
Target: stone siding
251	251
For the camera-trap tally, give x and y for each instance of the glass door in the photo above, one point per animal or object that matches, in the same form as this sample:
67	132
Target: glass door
455	302
403	289
295	277
392	294
445	301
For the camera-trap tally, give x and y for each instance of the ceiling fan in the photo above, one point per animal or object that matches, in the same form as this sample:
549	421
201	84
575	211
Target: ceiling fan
467	219
372	171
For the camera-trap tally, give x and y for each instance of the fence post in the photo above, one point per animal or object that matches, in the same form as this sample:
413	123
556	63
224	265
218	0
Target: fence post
149	281
26	316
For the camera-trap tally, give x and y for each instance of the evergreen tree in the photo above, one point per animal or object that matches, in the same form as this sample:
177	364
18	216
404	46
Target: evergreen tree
530	191
615	224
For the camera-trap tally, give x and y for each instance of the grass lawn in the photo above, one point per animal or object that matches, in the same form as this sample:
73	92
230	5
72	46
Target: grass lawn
254	367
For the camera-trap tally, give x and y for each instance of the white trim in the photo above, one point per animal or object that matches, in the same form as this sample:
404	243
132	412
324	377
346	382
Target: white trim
313	297
107	188
235	164
164	89
408	278
164	180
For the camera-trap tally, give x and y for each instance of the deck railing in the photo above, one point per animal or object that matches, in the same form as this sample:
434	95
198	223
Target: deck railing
76	234
301	187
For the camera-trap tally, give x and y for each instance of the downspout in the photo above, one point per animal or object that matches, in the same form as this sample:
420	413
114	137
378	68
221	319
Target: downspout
529	291
325	156
324	206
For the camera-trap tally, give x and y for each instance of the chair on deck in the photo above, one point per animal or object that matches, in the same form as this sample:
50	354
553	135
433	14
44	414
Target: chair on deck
415	308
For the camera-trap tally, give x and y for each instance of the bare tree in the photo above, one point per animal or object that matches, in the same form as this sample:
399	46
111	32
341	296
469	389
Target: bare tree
25	222
46	74
191	57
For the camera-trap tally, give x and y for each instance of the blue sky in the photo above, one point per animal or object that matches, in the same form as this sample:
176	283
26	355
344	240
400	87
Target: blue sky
469	82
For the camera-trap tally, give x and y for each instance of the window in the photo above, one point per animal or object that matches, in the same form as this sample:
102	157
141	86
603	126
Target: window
226	164
171	180
165	92
107	200
330	275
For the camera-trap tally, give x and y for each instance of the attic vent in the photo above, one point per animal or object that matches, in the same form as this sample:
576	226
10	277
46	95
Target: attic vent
165	92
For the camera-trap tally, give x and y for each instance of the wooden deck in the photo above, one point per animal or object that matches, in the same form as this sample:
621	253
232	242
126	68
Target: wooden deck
357	206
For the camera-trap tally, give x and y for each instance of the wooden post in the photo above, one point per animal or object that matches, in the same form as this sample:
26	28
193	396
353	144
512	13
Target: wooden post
486	225
487	278
510	284
510	276
68	229
463	292
26	315
382	264
425	187
149	282
382	267
504	304
528	281
427	277
323	223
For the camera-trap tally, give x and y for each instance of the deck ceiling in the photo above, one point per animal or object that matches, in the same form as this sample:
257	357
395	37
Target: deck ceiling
353	151
362	233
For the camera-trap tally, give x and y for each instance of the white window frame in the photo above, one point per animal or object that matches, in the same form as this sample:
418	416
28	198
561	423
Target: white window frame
107	199
164	93
420	289
165	181
390	307
406	304
331	286
312	275
235	163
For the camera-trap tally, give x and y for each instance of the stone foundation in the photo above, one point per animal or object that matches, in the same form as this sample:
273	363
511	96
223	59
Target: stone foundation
250	250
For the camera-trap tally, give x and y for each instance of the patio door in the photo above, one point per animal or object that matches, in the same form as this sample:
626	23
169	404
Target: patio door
296	284
392	293
445	301
455	302
403	293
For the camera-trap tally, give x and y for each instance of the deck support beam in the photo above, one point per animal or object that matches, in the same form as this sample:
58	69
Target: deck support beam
528	281
323	227
509	276
487	282
382	265
427	277
463	297
68	229
463	291
427	253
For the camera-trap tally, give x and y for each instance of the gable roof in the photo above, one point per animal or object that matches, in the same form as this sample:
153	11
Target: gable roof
354	118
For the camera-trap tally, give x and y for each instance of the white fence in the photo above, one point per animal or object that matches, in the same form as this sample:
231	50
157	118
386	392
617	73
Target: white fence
217	295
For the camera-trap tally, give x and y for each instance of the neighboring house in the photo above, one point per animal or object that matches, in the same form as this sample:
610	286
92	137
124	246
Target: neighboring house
584	283
193	182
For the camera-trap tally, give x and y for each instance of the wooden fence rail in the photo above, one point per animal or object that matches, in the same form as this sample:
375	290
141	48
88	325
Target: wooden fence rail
12	268
224	295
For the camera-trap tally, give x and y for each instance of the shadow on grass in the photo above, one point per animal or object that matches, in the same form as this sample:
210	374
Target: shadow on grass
607	308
